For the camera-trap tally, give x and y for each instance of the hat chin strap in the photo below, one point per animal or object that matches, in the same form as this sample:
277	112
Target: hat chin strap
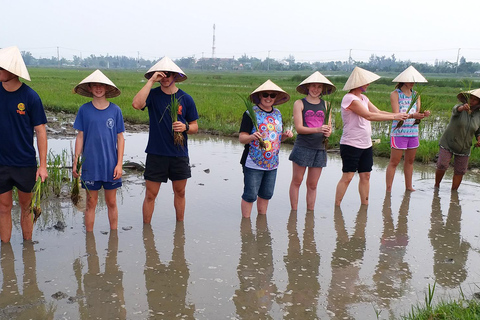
170	84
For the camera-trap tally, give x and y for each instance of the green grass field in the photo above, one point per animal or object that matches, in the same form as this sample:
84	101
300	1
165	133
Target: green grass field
220	108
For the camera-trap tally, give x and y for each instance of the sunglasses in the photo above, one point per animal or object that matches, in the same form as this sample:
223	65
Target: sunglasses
168	74
266	95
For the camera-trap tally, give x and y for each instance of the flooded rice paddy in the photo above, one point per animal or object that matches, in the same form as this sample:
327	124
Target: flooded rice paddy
349	263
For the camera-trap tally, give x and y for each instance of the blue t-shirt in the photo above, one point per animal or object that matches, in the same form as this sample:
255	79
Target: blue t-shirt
160	138
20	112
100	129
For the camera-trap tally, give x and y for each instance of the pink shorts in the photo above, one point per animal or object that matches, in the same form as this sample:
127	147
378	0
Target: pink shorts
404	143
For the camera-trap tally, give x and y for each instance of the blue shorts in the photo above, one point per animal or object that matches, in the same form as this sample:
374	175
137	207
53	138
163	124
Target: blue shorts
306	157
97	185
21	177
355	159
404	143
259	183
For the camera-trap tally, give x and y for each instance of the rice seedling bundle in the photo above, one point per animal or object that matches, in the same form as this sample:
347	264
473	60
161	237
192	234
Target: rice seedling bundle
251	113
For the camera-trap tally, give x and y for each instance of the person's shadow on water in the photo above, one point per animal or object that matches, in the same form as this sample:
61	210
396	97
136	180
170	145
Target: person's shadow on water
257	291
103	292
450	251
347	260
302	265
31	304
167	283
392	272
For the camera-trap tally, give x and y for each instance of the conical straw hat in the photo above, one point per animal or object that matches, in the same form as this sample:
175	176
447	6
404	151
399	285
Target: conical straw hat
410	75
166	64
268	85
316	77
464	96
12	61
97	77
359	77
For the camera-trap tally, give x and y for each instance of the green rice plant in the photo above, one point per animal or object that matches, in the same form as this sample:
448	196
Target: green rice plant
453	309
75	190
415	95
57	172
330	102
176	109
35	208
429	296
251	113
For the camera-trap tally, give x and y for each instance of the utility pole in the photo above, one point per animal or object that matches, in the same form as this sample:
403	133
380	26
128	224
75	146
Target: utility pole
213	46
458	57
350	60
58	56
268	61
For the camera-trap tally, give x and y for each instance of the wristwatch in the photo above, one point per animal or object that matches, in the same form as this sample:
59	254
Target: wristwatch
187	127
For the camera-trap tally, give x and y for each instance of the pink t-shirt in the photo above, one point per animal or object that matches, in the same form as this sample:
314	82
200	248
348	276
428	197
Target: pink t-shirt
357	131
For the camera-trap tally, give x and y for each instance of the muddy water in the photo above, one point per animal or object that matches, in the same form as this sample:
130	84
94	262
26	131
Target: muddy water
348	263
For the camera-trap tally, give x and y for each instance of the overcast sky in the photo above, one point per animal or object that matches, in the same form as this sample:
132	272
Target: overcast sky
310	30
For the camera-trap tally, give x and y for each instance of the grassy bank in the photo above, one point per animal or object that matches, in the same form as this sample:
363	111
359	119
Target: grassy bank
463	308
220	108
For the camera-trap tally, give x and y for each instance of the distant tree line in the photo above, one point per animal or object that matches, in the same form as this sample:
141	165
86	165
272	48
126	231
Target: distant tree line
375	63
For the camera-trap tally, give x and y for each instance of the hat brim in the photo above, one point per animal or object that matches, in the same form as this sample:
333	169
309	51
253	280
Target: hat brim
11	60
179	77
167	64
268	85
327	88
359	78
465	95
316	77
410	75
96	77
83	90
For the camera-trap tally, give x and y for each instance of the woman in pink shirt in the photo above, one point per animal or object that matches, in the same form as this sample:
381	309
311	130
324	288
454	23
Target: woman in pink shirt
356	142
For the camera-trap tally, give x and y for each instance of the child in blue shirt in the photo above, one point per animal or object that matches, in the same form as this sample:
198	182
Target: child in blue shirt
100	142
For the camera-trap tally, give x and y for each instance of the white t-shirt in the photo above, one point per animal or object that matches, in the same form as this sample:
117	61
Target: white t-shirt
357	131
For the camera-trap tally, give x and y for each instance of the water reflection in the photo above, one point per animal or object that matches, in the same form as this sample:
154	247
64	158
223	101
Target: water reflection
103	292
392	273
301	297
167	283
347	259
450	250
31	304
254	298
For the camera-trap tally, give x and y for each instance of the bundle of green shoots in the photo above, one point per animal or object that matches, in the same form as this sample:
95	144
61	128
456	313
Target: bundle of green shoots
249	105
175	110
329	103
35	202
466	93
415	95
75	196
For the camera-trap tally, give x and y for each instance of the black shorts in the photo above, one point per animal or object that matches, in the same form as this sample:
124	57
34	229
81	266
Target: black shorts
355	159
21	177
161	168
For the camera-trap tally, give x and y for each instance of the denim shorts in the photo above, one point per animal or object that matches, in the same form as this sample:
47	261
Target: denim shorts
97	185
259	183
355	159
306	157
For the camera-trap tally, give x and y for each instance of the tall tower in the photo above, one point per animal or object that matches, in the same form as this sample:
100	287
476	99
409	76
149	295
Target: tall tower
213	46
